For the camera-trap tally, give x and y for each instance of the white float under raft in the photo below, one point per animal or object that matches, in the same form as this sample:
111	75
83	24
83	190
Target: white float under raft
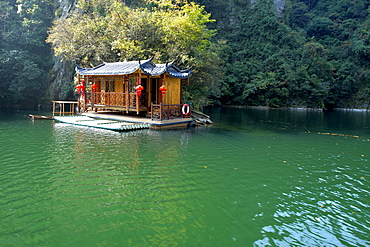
102	123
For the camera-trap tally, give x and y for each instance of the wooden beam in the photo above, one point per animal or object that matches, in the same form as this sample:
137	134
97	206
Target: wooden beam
126	79
138	82
149	90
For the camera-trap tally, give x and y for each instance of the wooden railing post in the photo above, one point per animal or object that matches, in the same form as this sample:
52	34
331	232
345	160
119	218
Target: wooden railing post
151	110
92	99
137	103
160	111
168	112
127	101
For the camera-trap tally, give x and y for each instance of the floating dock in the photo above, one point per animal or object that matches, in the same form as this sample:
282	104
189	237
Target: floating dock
112	120
102	123
175	123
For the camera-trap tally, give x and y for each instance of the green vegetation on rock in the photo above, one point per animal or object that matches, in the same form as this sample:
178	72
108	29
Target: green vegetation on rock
292	53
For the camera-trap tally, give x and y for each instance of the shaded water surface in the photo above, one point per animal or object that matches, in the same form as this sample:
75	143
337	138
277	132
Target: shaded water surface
255	178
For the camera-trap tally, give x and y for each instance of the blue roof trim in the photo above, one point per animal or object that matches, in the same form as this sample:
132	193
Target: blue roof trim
124	68
173	71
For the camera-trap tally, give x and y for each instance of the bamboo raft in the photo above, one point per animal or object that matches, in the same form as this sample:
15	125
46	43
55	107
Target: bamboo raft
102	123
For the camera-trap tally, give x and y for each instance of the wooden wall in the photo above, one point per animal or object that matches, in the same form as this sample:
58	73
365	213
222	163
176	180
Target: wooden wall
173	93
118	85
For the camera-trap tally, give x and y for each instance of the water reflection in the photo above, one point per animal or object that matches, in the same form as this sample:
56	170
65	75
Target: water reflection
129	181
302	120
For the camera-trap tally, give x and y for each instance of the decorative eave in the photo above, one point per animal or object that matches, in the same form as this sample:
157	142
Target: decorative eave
128	67
173	71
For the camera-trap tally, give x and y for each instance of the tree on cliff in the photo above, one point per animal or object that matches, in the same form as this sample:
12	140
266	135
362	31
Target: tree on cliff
108	30
311	53
24	56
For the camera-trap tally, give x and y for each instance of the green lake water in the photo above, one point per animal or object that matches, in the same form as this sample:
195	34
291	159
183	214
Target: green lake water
256	177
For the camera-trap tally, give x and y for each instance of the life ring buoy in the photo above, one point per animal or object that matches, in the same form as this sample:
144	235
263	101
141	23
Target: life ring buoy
185	109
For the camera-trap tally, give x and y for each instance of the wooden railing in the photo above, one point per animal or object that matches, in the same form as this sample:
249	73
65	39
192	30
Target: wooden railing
126	100
110	99
166	112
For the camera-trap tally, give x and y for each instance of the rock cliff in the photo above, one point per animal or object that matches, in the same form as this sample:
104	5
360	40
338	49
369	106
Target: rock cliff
61	76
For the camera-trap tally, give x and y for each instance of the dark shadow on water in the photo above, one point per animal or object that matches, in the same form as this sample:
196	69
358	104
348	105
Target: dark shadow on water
294	120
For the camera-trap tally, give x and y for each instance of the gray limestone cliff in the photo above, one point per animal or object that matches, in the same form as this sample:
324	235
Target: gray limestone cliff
62	73
279	6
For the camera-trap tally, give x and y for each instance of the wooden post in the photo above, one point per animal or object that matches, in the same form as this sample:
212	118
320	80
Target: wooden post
164	83
160	111
92	99
151	110
138	82
83	93
127	101
126	79
148	90
160	84
92	95
123	91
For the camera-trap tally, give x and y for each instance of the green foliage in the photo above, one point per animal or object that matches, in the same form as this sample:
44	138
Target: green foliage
319	27
24	56
204	88
109	30
264	57
314	53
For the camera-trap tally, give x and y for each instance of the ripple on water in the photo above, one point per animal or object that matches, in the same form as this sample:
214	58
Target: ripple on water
215	187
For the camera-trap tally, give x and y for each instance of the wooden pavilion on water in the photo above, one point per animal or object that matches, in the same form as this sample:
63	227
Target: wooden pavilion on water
141	87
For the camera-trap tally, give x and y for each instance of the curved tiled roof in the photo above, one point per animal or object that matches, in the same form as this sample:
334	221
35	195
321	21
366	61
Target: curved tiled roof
124	68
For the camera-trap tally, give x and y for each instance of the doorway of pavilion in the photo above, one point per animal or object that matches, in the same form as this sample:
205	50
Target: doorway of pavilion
154	90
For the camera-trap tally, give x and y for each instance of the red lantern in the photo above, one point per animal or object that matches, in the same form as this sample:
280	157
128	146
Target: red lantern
163	90
79	88
139	88
94	87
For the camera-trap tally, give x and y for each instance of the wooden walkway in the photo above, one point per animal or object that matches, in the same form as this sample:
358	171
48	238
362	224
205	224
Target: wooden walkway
174	123
102	123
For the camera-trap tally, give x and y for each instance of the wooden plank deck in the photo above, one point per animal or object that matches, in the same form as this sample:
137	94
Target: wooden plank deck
155	124
102	123
119	122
